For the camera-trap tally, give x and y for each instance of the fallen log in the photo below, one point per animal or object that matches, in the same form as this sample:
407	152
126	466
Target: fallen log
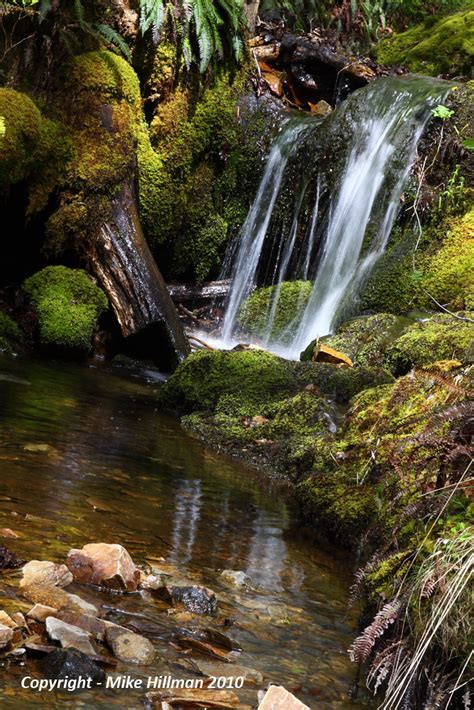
195	292
126	269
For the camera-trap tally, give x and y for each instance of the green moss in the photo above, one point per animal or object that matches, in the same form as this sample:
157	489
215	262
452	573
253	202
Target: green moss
391	450
366	339
68	305
441	337
443	47
104	74
10	333
19	144
198	199
449	273
33	148
292	299
205	376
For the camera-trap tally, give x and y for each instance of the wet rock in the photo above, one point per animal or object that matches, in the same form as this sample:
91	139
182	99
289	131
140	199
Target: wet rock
19	620
90	624
196	698
8	559
6	620
6	635
104	565
323	353
235	578
221	670
197	600
130	647
322	108
209	642
69	636
45	573
151	581
277	698
36	649
40	612
58	599
71	663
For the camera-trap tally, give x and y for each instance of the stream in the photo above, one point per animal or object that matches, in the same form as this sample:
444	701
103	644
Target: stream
86	457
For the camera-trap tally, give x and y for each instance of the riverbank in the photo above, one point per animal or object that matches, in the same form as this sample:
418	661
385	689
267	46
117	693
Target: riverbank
378	456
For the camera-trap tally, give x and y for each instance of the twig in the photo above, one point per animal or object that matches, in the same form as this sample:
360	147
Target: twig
201	342
455	315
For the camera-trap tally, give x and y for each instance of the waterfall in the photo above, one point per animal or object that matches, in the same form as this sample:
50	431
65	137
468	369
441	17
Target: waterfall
341	179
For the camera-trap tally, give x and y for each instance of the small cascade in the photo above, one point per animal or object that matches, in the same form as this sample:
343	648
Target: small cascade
325	208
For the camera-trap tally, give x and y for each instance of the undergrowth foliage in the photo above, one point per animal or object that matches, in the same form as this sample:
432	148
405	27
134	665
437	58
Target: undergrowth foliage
204	30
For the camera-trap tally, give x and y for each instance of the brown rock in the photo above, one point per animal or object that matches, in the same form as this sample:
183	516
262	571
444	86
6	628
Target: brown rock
197	698
94	626
130	647
40	612
6	635
277	698
69	636
45	573
104	565
323	353
6	620
58	599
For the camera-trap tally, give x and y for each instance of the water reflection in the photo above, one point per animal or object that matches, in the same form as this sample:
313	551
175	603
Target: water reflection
85	456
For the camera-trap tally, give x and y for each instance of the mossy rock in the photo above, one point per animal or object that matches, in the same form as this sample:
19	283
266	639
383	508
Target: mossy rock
68	304
445	46
10	334
364	339
205	376
104	74
442	337
291	299
256	376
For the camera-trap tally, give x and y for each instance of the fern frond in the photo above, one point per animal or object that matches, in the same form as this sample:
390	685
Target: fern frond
364	644
113	38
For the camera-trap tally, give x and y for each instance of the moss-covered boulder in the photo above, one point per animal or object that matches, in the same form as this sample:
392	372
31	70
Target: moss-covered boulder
437	46
205	376
10	334
68	304
288	301
441	337
364	339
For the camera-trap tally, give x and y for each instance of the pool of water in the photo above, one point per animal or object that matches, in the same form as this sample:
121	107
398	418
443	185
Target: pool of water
85	456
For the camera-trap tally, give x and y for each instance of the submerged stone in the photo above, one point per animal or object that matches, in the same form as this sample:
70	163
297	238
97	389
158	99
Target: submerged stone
72	664
130	647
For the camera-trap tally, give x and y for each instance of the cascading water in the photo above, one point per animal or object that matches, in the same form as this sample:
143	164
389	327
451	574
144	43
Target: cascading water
341	179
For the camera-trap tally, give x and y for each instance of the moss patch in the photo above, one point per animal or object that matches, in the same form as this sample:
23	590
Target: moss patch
10	333
288	300
445	46
441	337
68	305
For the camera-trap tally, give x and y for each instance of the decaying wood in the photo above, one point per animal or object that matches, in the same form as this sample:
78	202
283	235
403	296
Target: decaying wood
126	269
195	292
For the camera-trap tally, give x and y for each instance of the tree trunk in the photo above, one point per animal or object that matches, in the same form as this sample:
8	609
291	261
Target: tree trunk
126	269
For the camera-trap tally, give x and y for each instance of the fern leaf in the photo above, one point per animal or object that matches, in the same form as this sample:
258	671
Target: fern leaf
115	39
363	645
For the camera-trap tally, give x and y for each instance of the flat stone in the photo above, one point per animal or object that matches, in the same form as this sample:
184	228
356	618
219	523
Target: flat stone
104	565
250	675
130	647
19	620
45	573
277	698
6	620
58	599
69	636
40	612
6	635
91	624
